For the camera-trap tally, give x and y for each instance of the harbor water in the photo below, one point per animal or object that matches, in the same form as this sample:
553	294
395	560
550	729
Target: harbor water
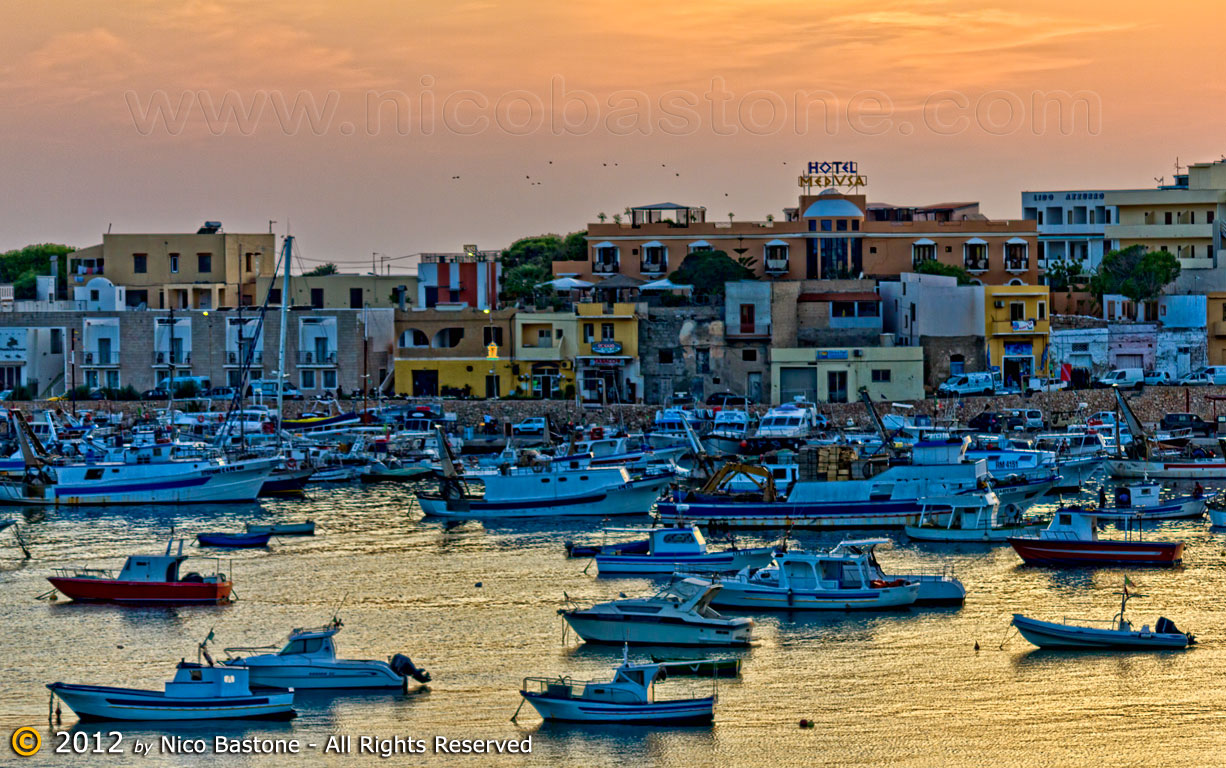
476	605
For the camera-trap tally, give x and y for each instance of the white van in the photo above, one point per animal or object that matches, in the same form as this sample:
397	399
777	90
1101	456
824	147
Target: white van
1123	378
969	384
263	389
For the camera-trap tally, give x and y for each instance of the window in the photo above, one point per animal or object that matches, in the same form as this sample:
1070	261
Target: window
841	225
57	341
606	331
140	263
666	355
1167	217
1042	309
975	256
749	355
308	378
247	262
274	295
491	334
588	332
317	298
881	375
703	358
204	263
921	252
355	298
174	263
842	309
827	225
1208	217
137	298
93	294
1017	310
330	378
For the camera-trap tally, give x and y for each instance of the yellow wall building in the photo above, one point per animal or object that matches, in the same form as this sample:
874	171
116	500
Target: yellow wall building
546	344
1215	310
204	270
1017	328
446	352
835	375
1183	218
607	354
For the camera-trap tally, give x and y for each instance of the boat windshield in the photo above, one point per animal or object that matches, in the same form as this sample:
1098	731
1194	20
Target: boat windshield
304	645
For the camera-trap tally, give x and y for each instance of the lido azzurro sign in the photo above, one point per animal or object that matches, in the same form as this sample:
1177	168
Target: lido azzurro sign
833	173
606	347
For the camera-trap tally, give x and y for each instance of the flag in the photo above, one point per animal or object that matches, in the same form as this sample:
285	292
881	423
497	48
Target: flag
1127	583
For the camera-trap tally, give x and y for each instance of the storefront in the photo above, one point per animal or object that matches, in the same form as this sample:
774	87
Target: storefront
1017	362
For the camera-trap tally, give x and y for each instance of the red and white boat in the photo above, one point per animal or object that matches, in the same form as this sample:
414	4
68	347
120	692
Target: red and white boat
144	579
1072	539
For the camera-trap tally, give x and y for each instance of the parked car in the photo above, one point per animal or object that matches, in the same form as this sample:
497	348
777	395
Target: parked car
1214	374
534	426
265	389
988	421
1159	378
962	384
1190	421
221	393
1039	384
155	394
1122	378
1028	419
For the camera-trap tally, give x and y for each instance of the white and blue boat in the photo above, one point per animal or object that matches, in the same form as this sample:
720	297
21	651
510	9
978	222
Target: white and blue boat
197	692
1142	501
627	699
679	545
1118	635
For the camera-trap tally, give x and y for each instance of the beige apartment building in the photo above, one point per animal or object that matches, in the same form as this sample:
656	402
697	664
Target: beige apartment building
208	269
342	291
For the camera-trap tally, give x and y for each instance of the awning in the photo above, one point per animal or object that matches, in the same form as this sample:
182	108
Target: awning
700	244
1016	241
665	285
565	284
653	244
924	241
777	242
976	241
605	244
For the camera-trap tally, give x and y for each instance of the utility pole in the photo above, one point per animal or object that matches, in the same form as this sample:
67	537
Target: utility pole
286	252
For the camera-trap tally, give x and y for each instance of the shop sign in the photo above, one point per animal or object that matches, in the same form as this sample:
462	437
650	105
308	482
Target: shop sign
1024	349
831	354
606	347
609	361
1023	325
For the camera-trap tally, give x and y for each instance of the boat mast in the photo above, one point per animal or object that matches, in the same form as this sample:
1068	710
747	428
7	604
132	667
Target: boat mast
286	251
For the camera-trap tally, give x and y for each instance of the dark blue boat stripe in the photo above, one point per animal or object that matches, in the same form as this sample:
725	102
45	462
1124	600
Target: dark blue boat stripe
190	482
180	703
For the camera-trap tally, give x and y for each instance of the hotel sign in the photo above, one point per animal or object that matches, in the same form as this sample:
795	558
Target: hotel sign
606	347
833	173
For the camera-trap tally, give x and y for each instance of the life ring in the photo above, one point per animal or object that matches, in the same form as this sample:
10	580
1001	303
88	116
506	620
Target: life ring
200	419
291	464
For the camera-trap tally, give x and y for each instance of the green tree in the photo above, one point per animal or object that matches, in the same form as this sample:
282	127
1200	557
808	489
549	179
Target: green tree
321	270
20	267
540	250
934	267
574	247
519	282
1062	275
1135	272
708	270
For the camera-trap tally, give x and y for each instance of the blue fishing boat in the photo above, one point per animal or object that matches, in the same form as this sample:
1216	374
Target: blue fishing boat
679	545
197	692
233	540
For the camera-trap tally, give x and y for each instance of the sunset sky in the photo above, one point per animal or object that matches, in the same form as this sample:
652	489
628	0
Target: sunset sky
80	150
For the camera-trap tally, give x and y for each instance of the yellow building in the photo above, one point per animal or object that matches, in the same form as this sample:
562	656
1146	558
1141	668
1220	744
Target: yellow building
448	353
205	270
546	345
607	355
835	375
1183	218
342	291
1016	330
1215	309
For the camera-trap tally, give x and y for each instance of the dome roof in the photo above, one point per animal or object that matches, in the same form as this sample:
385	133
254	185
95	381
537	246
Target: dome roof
833	208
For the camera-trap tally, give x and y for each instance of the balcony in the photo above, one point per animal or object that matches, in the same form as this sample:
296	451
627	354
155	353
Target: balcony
1019	327
1017	265
165	358
537	354
236	358
652	267
776	266
1160	230
606	267
100	359
977	265
324	358
747	331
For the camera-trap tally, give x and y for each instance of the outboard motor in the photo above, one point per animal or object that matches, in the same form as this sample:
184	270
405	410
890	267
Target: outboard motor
1166	626
404	666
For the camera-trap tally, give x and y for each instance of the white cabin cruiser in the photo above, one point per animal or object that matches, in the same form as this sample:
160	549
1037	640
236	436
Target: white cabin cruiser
308	661
1141	501
955	521
674	546
730	432
679	614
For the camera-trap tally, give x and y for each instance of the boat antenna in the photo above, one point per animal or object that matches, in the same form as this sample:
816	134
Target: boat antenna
336	619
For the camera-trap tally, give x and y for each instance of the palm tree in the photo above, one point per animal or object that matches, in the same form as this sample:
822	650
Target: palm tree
602	216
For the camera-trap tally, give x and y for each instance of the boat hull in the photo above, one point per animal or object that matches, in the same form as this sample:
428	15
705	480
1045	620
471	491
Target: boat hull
761	598
633	498
1174	510
722	562
333	675
574	710
1040	551
178	483
616	629
141	592
93	703
1211	469
970	535
1046	634
782	514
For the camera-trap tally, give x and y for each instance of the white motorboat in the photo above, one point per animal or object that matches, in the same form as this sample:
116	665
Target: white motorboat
1119	635
627	699
1138	502
679	614
730	432
967	520
308	661
197	692
679	545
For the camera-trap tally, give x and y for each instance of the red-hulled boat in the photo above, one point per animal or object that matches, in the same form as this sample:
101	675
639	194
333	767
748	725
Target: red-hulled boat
144	579
1072	539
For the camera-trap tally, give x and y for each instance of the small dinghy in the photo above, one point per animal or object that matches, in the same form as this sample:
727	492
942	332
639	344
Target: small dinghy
233	540
306	528
627	699
197	692
308	661
1121	635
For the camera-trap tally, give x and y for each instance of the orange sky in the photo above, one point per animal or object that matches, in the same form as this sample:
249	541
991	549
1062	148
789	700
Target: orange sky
79	152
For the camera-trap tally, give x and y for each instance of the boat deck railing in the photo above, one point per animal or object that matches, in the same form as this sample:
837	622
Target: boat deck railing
83	573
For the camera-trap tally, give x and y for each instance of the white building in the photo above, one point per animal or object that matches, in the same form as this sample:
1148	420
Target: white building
1072	226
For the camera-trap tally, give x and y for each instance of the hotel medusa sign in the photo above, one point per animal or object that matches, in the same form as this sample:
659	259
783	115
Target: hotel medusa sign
829	174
